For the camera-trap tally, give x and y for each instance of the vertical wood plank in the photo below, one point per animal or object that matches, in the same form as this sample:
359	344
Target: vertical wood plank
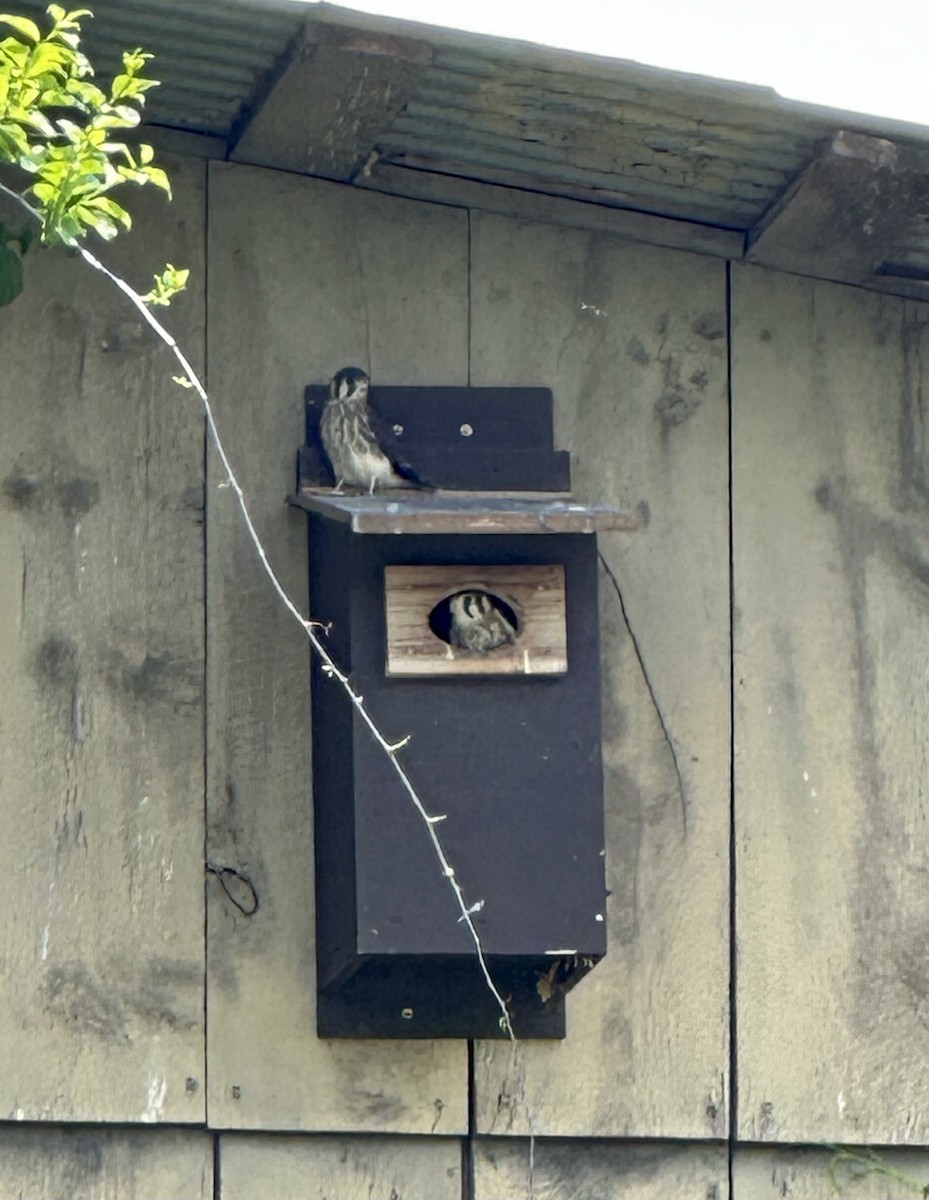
773	1173
306	277
831	569
589	1170
632	340
264	1167
101	686
98	1164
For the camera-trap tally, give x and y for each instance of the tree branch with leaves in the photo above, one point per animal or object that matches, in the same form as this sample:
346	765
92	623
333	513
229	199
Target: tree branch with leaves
59	130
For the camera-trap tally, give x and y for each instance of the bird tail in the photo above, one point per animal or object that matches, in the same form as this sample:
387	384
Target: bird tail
408	478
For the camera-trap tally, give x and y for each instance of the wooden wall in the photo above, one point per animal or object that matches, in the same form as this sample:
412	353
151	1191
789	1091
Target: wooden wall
154	719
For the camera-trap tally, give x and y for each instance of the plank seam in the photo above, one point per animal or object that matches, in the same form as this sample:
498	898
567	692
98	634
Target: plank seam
206	677
733	995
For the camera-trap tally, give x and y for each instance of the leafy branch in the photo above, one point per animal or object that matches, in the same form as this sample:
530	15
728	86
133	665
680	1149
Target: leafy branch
57	127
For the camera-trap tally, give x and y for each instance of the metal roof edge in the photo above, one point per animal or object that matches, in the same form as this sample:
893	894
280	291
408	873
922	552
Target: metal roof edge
541	57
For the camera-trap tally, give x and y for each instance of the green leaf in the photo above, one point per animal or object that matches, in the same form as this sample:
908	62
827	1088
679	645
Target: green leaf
11	275
23	25
96	221
171	281
46	57
156	176
135	60
54	124
45	193
68	229
40	122
111	209
13	51
176	277
14	144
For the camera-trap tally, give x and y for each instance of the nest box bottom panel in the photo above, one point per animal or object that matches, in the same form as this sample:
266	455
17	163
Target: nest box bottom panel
449	998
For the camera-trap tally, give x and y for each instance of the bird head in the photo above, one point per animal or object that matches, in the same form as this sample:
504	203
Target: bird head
471	606
351	383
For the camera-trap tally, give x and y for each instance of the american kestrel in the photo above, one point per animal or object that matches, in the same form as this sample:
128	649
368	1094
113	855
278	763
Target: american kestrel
349	440
478	623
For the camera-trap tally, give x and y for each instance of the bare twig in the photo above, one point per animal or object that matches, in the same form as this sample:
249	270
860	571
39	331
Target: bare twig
308	626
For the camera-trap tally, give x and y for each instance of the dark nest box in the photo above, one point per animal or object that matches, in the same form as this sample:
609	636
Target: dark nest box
504	745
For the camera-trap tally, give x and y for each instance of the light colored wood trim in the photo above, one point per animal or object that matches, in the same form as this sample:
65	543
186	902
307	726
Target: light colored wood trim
181	141
340	90
535	593
846	214
536	206
463	513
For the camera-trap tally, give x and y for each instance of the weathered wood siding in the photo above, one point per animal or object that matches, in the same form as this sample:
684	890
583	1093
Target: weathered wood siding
632	339
154	701
509	1169
339	1168
831	568
101	688
105	1164
305	277
773	1173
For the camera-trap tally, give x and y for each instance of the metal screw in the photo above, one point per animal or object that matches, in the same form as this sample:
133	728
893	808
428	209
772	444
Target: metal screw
236	1091
407	1014
466	430
191	1084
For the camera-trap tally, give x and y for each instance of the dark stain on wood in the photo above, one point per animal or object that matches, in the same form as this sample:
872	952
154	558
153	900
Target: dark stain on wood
157	677
77	495
637	352
886	982
58	660
57	663
710	325
21	489
107	1005
74	996
74	494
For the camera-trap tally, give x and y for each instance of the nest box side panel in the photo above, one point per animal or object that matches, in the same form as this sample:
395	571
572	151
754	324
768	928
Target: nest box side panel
331	550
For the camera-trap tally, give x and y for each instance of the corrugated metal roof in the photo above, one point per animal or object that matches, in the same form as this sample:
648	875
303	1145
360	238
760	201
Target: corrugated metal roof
613	132
211	56
609	133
